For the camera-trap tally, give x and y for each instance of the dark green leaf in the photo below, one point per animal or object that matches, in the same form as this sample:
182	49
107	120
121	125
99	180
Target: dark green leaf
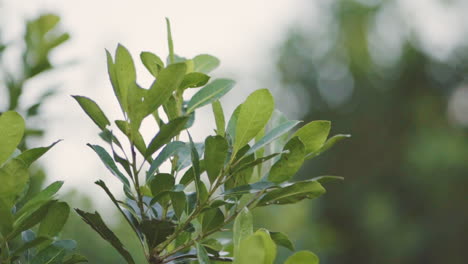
31	155
219	118
202	255
55	219
11	132
6	219
212	219
95	221
169	150
303	257
293	193
313	135
205	63
253	117
178	202
194	80
152	62
50	255
109	163
74	258
216	151
30	244
250	188
282	239
166	133
213	91
289	163
31	219
156	231
93	111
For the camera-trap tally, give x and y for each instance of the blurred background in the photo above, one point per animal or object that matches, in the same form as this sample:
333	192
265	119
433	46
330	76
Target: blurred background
391	73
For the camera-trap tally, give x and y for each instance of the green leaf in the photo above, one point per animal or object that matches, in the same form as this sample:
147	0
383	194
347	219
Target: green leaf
242	173
253	117
202	255
95	221
133	135
74	258
102	184
205	63
161	183
273	134
156	231
11	132
169	150
216	151
313	135
179	201
14	178
113	77
55	219
39	199
199	186
125	74
250	188
166	133
50	255
219	118
6	219
31	219
136	107
93	111
31	155
152	62
231	126
212	219
169	79
293	193
243	228
303	257
213	91
269	244
289	163
194	80
328	144
109	163
170	44
30	244
282	239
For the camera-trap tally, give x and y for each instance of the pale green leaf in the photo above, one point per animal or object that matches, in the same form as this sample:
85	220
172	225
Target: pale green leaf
211	92
11	132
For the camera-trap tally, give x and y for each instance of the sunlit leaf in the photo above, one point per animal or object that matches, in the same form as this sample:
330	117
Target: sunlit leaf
208	94
303	257
11	132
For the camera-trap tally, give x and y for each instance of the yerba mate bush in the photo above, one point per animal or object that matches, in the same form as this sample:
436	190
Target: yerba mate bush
19	215
246	164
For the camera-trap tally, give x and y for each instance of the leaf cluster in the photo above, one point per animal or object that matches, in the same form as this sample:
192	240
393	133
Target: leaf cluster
248	162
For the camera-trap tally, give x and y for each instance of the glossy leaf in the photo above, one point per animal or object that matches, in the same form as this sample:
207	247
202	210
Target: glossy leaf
14	177
313	135
96	222
166	133
219	118
194	80
53	222
303	257
273	134
205	63
253	117
216	151
289	163
31	155
169	79
152	62
282	239
93	111
293	193
211	92
109	163
11	132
